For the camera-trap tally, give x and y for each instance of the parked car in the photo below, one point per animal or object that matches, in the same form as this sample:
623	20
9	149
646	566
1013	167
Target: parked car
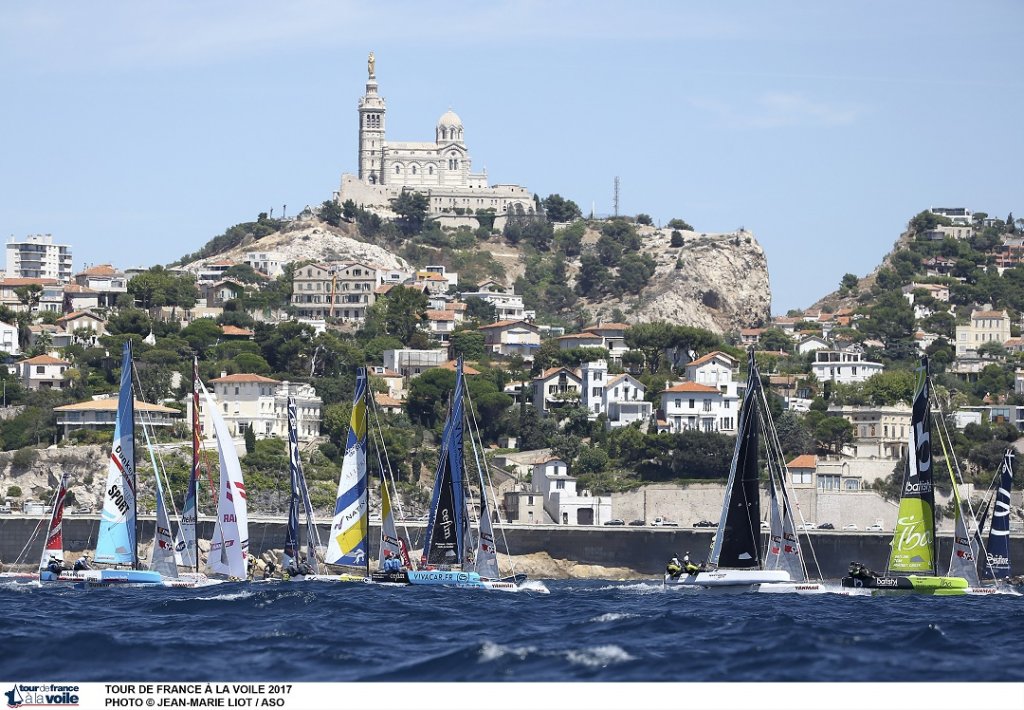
874	527
615	521
850	526
704	524
664	523
806	526
826	526
637	522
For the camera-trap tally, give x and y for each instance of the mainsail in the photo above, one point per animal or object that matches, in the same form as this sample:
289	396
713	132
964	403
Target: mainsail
55	534
185	544
913	542
116	541
299	492
162	553
349	527
997	560
963	561
229	548
784	549
737	541
389	540
447	526
486	563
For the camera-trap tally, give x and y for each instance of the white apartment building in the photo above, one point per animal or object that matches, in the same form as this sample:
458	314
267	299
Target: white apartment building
691	405
9	339
106	281
262	403
844	366
985	327
716	369
507	304
567	506
508	338
619	397
410	362
41	372
556	387
270	263
39	258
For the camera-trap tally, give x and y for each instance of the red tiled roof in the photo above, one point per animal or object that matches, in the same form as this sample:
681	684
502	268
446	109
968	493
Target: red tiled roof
110	404
386	400
244	377
44	360
441	315
707	358
79	314
579	336
804	461
692	387
235	330
98	270
27	282
466	369
608	326
988	314
552	370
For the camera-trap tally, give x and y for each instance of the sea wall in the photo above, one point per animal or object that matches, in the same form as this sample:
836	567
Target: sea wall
643	550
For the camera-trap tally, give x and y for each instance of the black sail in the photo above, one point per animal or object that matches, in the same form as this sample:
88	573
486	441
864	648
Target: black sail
738	542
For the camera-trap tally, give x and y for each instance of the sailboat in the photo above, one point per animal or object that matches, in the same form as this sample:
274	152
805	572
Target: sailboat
997	553
738	560
450	556
913	544
116	543
229	546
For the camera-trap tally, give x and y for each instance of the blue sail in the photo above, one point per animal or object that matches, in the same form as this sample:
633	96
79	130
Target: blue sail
116	542
447	526
349	527
997	561
291	538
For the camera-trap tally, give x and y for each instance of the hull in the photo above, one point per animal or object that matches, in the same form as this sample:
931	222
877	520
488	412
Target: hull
911	584
104	577
737	579
191	580
395	578
327	578
463	580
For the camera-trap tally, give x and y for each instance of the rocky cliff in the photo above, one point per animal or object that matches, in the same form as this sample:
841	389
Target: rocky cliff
714	281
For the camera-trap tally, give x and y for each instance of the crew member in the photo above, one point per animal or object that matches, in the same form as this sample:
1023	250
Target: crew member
674	567
55	565
82	563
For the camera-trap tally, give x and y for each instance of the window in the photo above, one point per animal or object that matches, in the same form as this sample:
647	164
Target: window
398	170
828	482
560	485
852	484
236	391
595	392
40	369
725	404
707	405
679	403
805	477
693	403
529	501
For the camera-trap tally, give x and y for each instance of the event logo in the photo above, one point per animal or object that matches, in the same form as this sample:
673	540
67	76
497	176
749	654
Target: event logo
46	694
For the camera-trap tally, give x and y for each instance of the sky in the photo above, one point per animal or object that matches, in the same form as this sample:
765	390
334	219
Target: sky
135	132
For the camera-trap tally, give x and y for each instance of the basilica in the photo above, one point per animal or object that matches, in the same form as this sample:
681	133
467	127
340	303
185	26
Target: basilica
440	169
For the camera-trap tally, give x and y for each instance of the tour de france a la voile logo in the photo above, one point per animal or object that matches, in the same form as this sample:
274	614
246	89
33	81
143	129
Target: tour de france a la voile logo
44	694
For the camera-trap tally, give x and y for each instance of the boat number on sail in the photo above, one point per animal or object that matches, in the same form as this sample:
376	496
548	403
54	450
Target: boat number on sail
230	518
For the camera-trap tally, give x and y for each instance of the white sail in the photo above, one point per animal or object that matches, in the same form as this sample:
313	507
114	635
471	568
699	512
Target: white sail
784	547
161	556
389	541
229	548
964	559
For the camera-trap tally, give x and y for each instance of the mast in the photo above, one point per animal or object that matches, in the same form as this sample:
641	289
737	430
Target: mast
291	541
133	482
193	484
366	468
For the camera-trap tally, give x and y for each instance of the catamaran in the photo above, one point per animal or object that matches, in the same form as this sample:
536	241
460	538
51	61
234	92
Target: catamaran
450	554
738	561
913	542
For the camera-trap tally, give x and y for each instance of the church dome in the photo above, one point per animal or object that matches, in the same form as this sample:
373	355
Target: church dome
449	119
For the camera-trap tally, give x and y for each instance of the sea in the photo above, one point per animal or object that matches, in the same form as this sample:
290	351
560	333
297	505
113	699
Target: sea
560	631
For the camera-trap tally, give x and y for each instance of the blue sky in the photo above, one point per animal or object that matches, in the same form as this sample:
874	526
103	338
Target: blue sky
136	132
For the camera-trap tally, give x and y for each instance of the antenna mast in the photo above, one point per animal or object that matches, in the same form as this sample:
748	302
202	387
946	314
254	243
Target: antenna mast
616	196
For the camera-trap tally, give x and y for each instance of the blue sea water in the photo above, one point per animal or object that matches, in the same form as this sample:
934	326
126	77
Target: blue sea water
581	631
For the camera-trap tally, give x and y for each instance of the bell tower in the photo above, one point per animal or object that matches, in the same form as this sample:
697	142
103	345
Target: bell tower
371	129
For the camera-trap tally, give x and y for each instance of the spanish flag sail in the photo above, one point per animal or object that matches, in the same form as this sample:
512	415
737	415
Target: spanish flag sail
913	541
349	528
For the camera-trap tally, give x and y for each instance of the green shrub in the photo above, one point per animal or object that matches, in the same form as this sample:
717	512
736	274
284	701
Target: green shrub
23	459
14	492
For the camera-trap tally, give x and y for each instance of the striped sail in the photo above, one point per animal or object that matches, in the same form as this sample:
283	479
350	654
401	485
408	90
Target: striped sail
55	534
784	548
161	556
389	541
229	548
997	560
913	541
349	527
116	542
185	544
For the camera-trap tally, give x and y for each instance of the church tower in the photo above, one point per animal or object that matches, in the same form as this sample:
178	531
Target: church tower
371	130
